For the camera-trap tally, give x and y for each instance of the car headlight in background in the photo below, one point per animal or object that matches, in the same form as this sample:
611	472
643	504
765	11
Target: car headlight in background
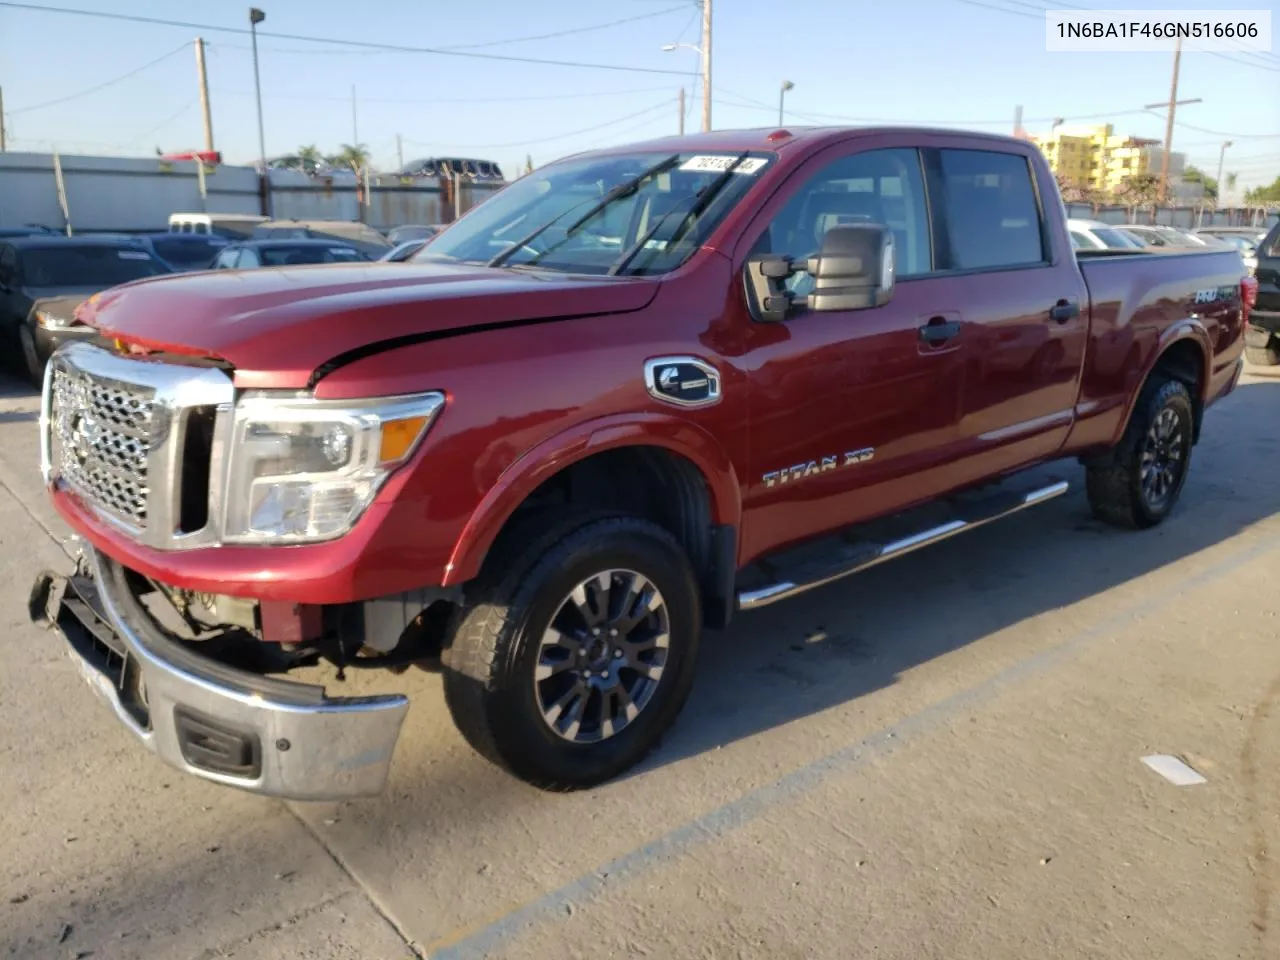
51	321
304	470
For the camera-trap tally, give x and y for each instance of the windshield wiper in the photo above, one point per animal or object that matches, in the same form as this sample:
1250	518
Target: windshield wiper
624	189
699	207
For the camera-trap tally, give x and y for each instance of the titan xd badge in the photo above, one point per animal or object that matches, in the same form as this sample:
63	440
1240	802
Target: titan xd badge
802	471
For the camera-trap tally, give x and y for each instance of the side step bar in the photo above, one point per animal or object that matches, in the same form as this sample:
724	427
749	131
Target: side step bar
872	554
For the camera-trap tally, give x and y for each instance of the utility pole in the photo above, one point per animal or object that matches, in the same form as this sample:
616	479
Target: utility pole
399	153
3	142
256	16
1221	158
1017	120
355	131
679	103
1168	123
1171	106
706	66
204	95
782	94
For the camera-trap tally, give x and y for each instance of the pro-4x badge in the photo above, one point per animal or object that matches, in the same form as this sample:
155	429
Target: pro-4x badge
683	381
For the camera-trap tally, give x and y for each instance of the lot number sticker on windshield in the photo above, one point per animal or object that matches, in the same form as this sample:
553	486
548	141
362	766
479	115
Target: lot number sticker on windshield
130	255
718	164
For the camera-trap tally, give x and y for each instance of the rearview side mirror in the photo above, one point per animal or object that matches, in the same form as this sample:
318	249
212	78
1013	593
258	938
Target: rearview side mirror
855	269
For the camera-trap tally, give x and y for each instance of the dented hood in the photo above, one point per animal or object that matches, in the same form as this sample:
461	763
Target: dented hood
277	326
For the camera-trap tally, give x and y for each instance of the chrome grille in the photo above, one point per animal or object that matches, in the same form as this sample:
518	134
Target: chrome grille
115	431
101	438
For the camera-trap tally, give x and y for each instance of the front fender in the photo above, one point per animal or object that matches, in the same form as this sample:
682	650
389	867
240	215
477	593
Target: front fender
538	464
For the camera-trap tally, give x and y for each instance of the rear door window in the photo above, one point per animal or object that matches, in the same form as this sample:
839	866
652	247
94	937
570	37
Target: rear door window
993	216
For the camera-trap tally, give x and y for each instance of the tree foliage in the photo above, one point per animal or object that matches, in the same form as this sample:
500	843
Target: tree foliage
1264	196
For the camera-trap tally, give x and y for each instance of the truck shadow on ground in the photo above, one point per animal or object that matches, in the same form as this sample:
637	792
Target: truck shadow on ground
853	637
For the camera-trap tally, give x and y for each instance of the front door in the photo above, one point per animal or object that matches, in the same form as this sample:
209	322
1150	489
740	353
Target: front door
851	412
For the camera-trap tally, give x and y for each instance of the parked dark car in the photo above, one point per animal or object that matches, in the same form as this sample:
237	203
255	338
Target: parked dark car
412	231
43	279
250	254
28	230
1262	337
183	251
350	232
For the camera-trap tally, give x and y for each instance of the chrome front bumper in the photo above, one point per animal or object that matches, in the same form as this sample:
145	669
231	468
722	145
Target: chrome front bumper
261	734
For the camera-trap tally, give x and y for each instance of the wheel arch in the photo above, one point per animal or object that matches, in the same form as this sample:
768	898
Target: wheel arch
624	463
1184	352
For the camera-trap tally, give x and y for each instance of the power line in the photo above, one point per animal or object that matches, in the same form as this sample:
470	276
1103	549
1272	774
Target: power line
565	33
458	46
162	124
102	86
361	44
664	105
753	104
438	100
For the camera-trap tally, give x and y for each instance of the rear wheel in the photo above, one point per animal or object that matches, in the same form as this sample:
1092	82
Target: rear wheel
573	657
1142	479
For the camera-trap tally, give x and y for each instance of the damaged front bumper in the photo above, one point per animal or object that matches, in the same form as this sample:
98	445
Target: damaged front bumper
265	735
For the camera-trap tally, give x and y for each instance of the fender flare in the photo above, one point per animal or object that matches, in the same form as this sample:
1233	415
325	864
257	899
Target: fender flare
536	465
1189	328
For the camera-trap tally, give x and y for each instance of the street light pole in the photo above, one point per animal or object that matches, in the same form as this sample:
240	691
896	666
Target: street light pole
706	66
782	94
1222	156
256	16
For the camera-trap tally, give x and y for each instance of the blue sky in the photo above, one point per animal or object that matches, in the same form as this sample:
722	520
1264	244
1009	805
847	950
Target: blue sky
951	62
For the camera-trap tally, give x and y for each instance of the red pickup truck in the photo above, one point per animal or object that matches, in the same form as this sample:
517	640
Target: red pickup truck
632	394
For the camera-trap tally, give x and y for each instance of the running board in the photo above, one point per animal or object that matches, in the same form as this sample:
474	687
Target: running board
871	554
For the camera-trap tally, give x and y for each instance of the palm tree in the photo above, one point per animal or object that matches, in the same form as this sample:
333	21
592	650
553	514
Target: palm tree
352	155
309	158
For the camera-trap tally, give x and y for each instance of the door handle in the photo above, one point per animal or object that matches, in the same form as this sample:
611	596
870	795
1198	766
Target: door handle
938	330
1064	310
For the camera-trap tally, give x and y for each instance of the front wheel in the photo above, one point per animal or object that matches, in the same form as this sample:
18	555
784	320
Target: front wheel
569	663
1142	479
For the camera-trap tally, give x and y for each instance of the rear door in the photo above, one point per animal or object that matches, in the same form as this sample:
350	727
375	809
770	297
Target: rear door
1024	304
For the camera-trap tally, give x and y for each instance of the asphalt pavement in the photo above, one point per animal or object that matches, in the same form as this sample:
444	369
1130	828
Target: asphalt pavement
941	757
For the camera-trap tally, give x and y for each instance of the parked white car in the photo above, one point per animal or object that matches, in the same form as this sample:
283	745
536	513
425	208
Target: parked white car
1096	235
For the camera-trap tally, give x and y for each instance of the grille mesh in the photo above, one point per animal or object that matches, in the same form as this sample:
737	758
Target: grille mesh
100	439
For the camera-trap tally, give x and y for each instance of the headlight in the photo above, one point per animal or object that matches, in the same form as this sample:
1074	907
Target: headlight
305	470
53	321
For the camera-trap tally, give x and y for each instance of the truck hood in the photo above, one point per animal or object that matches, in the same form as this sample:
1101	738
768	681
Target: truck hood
277	326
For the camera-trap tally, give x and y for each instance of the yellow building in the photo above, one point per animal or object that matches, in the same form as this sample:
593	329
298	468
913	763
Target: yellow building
1096	158
1076	154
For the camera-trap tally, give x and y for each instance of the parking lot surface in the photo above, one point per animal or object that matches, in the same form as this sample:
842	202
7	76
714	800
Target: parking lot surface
938	758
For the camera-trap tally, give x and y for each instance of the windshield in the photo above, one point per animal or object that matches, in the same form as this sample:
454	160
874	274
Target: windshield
195	252
293	256
1114	239
569	189
97	266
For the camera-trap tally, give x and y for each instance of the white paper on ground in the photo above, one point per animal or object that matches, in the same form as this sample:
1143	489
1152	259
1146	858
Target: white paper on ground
1173	770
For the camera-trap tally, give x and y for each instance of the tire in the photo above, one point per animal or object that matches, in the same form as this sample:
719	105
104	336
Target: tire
32	364
1268	356
1116	488
499	645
